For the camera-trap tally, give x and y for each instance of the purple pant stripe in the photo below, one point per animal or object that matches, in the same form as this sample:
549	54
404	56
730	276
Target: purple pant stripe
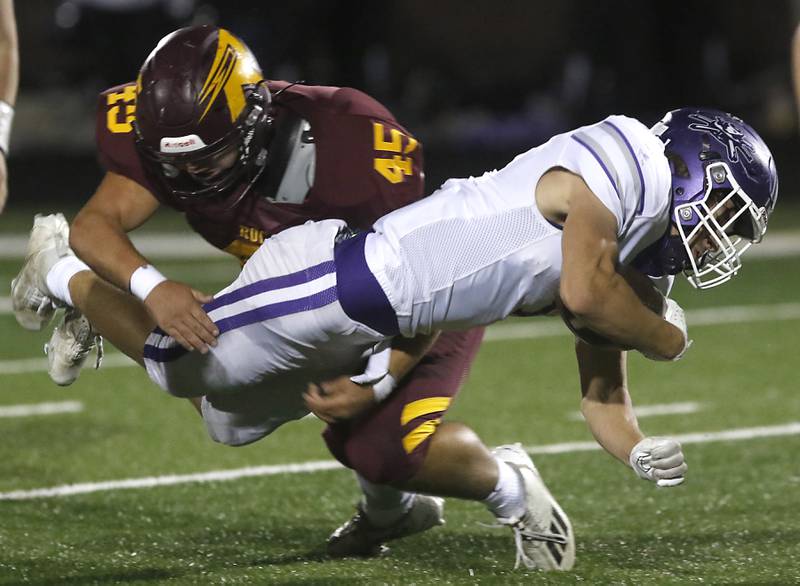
257	314
279	309
157	354
271	284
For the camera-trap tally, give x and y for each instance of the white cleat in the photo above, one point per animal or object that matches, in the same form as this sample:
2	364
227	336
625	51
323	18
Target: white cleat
543	534
69	347
30	299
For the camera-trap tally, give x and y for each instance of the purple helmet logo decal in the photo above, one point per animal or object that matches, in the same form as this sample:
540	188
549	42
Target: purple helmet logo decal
726	134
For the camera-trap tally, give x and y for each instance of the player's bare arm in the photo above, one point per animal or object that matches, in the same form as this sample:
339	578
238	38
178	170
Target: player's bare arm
796	66
99	234
99	237
346	397
608	411
606	404
9	81
591	287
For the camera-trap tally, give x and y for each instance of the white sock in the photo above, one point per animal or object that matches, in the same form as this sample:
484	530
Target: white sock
508	497
58	277
384	504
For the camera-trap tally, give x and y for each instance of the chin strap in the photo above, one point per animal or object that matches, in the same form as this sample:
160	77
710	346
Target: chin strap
666	256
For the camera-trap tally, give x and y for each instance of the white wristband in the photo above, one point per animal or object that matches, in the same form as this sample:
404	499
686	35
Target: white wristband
384	387
144	280
6	117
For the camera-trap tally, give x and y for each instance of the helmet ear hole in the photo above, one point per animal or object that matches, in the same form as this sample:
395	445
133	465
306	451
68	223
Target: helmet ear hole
678	164
710	156
743	226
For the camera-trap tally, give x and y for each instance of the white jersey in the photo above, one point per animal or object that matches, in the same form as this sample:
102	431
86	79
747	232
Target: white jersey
478	249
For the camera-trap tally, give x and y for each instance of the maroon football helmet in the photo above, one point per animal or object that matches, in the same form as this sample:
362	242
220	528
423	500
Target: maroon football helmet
202	113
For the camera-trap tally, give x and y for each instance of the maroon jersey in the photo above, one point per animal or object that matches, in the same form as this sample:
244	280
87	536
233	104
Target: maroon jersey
366	165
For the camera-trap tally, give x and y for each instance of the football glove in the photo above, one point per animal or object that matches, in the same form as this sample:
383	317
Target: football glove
659	460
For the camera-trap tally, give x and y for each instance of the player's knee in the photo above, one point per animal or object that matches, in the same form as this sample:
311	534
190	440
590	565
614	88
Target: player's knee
379	469
234	436
452	432
232	433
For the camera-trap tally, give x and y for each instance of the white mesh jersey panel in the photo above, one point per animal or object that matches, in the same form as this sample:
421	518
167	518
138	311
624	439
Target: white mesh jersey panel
468	271
436	263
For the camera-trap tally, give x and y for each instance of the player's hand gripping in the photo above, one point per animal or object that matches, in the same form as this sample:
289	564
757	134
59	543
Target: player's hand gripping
177	310
338	399
660	460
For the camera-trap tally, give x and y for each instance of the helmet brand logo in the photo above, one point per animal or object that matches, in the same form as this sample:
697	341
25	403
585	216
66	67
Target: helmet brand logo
181	144
726	134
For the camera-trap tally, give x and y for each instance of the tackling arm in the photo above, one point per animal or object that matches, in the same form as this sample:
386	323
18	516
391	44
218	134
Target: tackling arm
407	352
591	288
347	397
796	66
99	231
99	237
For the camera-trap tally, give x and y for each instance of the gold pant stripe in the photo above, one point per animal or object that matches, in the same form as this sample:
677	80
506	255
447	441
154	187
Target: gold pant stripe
424	407
419	435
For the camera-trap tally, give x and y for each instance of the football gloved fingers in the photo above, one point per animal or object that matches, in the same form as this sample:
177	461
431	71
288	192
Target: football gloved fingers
659	460
663	447
666	482
678	471
669	463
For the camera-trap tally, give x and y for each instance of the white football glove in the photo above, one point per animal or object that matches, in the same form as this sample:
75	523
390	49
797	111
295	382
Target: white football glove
660	460
673	313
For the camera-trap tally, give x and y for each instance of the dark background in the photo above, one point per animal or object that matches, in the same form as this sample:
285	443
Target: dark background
477	82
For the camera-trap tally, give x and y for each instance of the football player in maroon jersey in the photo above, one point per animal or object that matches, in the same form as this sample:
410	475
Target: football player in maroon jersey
242	158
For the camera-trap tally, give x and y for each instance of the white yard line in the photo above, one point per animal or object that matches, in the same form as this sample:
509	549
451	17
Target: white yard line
27	365
509	331
153	245
655	410
41	409
745	433
318	465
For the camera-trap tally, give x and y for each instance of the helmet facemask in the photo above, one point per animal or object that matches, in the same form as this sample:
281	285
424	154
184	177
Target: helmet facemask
725	221
200	170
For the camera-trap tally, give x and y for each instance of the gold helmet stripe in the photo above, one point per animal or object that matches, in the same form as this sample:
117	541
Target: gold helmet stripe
233	67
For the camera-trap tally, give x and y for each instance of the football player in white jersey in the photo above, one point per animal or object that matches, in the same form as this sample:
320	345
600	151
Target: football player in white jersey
560	221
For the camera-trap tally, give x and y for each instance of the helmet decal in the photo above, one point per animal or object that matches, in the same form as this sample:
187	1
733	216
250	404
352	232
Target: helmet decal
229	75
724	133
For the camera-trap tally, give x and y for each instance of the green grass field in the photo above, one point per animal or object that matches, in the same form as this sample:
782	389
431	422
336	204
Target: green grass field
735	520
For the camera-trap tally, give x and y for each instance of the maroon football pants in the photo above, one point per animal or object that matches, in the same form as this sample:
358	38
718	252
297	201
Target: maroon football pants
389	443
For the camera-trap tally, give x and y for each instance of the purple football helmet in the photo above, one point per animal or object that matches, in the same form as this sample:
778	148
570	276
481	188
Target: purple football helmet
724	187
